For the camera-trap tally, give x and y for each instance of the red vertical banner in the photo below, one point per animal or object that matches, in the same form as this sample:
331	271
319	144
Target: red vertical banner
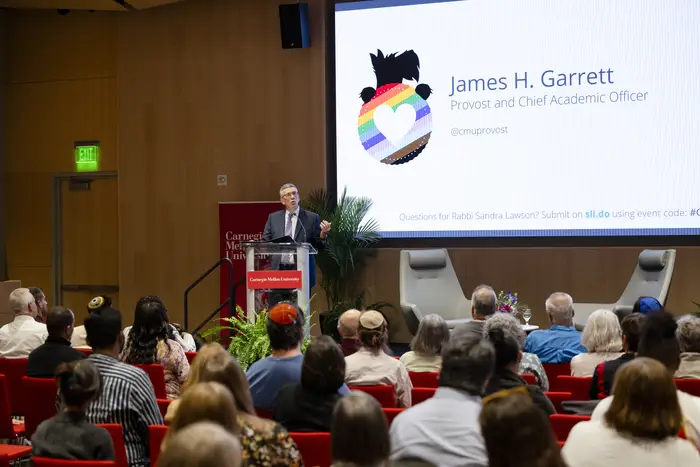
239	223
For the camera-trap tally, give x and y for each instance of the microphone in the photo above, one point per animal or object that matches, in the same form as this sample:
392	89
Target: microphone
306	235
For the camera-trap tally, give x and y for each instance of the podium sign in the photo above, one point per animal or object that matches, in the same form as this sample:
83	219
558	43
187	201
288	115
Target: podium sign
274	280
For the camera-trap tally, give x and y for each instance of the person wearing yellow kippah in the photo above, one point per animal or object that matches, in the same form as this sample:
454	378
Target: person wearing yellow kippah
79	337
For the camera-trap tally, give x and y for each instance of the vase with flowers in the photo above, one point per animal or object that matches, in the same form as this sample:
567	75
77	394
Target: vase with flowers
508	302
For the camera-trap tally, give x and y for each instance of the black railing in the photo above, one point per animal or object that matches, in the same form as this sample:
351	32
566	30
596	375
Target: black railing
231	300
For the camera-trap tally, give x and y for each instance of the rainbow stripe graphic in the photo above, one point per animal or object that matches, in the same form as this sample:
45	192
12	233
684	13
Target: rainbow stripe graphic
412	143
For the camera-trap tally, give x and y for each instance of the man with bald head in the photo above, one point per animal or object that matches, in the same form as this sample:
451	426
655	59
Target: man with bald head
561	342
347	328
484	305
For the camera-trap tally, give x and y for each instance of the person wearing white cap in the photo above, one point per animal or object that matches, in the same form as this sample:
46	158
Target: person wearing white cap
371	365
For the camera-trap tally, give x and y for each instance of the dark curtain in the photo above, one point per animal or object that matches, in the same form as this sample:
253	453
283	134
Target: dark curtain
3	80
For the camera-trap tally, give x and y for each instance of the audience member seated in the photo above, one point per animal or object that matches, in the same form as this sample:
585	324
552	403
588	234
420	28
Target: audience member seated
79	337
264	442
602	337
127	396
426	345
23	334
307	406
347	328
202	444
517	433
205	402
645	305
359	436
604	374
445	428
658	341
507	356
529	362
484	305
41	304
689	340
640	426
561	342
149	343
44	360
68	435
184	339
371	365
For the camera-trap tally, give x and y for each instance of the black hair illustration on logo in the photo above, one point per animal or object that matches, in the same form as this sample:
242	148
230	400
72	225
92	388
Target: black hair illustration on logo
392	69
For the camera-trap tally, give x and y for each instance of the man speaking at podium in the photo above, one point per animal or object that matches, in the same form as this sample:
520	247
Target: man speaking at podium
303	227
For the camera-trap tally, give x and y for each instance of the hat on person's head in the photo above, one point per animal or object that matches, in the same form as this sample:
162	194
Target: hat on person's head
283	313
649	304
99	302
371	319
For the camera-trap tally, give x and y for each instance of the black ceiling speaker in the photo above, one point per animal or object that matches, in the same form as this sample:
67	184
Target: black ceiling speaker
294	26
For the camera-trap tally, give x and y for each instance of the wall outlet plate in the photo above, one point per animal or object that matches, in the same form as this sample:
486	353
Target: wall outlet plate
221	180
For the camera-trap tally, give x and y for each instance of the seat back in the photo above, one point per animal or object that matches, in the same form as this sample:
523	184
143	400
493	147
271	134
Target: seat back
163	405
156	435
554	370
87	351
40	402
315	448
529	378
190	356
48	462
391	414
419	395
156	374
558	398
262	413
6	429
384	394
689	386
579	387
428	284
424	380
14	369
651	277
562	424
117	433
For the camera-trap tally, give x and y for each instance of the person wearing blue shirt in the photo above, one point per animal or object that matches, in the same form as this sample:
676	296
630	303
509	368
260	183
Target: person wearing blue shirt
561	342
285	328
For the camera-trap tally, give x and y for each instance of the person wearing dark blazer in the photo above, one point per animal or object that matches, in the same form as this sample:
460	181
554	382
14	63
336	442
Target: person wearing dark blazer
301	225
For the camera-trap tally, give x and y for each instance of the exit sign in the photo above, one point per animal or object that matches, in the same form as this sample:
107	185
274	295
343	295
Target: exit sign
87	156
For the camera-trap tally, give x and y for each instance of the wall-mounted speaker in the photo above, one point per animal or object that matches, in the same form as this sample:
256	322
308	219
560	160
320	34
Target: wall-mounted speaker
294	26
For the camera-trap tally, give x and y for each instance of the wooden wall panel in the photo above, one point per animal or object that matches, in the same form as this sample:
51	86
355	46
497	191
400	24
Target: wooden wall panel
61	87
3	91
206	89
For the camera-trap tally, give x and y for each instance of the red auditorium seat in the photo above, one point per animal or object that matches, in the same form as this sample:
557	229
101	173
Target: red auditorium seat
391	414
557	398
578	386
315	448
262	413
8	429
529	378
39	403
384	394
555	369
424	380
419	395
117	434
14	369
10	453
157	375
156	435
87	351
562	424
48	462
190	356
689	386
163	405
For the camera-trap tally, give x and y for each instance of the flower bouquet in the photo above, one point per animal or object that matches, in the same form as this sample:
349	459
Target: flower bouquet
508	303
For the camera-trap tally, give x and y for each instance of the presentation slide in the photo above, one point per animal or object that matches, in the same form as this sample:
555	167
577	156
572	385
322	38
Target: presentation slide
521	118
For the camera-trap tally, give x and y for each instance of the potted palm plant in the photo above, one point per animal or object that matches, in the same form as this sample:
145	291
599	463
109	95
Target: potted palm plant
347	247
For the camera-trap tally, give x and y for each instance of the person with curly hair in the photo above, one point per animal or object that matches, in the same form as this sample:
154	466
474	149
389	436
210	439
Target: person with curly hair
175	333
151	342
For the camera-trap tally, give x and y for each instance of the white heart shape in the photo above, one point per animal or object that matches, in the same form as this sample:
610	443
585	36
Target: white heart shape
394	124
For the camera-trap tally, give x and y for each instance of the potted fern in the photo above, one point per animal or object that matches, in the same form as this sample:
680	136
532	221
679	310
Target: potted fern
249	341
347	247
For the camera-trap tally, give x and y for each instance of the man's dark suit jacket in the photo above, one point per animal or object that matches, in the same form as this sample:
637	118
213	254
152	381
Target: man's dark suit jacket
311	233
43	361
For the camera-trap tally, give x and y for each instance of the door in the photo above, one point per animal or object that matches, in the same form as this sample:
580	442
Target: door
86	253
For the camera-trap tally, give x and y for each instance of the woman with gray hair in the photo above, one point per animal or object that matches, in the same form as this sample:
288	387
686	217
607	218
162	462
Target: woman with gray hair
688	334
426	346
602	337
529	362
